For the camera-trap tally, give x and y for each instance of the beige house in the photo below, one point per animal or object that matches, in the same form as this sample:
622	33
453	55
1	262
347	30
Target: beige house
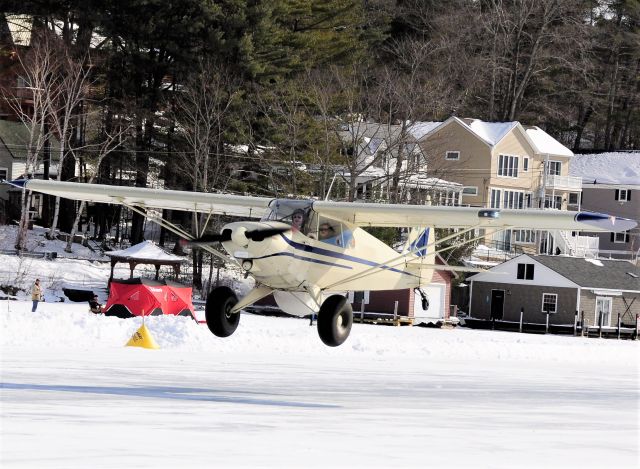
502	165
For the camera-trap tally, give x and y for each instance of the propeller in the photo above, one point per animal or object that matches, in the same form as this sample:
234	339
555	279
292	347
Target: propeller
262	234
208	239
259	234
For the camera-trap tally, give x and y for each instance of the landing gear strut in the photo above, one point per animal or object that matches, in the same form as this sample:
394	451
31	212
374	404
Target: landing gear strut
219	320
334	320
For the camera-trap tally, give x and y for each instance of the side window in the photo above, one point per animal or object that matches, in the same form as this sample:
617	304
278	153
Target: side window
333	232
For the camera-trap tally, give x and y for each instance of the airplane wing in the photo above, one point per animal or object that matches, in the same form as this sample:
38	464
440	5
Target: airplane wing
397	215
223	204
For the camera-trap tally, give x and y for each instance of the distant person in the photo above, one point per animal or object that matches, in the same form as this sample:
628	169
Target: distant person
36	295
297	220
94	306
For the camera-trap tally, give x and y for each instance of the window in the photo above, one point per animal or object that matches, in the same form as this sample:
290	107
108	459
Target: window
495	198
508	166
549	302
621	237
551	201
623	195
525	164
513	199
554	168
525	271
524	236
470	190
4	172
452	155
573	198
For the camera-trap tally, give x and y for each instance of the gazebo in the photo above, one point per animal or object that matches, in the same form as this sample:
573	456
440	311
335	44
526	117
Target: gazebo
145	253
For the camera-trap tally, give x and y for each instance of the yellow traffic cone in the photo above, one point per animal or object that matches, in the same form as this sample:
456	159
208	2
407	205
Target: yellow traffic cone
142	338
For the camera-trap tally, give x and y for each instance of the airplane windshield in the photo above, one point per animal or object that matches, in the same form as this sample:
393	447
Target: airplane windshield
293	212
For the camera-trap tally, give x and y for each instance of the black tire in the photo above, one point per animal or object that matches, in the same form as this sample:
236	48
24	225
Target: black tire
335	319
219	320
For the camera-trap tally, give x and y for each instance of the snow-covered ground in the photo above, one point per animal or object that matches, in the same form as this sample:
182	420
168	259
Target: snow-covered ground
272	395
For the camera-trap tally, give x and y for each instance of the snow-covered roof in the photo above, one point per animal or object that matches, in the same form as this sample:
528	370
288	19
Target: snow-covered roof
607	168
491	132
546	144
420	129
145	250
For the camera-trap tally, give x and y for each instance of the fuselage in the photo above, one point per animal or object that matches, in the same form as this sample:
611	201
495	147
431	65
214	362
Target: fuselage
292	260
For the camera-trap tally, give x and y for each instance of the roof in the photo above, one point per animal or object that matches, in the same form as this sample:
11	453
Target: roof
601	273
145	251
490	132
15	136
545	144
607	168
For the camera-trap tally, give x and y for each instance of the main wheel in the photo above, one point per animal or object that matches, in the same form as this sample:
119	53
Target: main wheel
334	320
219	320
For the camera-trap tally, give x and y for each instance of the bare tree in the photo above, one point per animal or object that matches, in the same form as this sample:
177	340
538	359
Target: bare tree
65	97
110	136
36	69
201	108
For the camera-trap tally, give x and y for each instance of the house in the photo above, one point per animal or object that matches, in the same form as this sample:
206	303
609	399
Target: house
502	165
376	149
611	184
560	285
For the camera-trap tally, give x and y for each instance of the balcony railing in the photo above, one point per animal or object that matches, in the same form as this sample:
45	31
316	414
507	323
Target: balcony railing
567	183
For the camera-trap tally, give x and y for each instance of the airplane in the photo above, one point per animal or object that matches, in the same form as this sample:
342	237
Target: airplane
307	253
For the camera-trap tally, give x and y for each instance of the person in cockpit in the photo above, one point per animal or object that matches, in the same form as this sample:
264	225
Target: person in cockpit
297	220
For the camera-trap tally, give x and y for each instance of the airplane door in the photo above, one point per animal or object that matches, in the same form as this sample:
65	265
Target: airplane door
497	304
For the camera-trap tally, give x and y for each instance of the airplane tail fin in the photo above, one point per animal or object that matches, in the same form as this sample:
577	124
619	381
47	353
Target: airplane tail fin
420	243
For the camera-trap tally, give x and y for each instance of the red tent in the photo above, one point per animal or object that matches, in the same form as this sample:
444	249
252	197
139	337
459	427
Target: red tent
135	297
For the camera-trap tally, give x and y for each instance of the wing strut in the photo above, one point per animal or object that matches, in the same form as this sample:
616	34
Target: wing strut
402	258
176	230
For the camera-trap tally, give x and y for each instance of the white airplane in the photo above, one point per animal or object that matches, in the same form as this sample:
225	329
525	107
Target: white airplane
306	253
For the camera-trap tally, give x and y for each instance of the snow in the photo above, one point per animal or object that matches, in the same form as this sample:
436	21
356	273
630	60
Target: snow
145	250
545	144
622	168
491	132
272	395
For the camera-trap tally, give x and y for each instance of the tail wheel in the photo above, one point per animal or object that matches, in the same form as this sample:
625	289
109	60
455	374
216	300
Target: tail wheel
220	320
335	319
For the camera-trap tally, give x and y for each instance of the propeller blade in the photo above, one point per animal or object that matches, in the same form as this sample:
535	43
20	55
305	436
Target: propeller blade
209	239
262	234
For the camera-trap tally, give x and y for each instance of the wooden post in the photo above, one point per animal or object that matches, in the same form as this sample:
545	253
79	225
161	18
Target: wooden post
618	326
600	325
546	329
575	324
395	312
362	311
521	316
582	323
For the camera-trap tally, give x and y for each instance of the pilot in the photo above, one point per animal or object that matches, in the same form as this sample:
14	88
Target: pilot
297	220
325	232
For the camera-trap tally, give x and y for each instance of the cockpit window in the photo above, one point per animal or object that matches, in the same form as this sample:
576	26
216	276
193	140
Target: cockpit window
293	212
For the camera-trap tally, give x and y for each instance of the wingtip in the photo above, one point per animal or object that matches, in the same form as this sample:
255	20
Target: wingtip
606	222
16	182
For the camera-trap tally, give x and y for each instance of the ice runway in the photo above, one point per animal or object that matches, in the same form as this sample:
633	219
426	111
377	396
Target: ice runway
273	396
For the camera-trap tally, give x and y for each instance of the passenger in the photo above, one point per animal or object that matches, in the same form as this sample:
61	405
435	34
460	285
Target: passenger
94	306
297	220
327	234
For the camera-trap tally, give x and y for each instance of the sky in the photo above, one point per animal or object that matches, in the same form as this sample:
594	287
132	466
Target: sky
272	395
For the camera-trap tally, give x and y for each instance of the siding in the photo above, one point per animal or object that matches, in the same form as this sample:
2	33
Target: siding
528	297
588	305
